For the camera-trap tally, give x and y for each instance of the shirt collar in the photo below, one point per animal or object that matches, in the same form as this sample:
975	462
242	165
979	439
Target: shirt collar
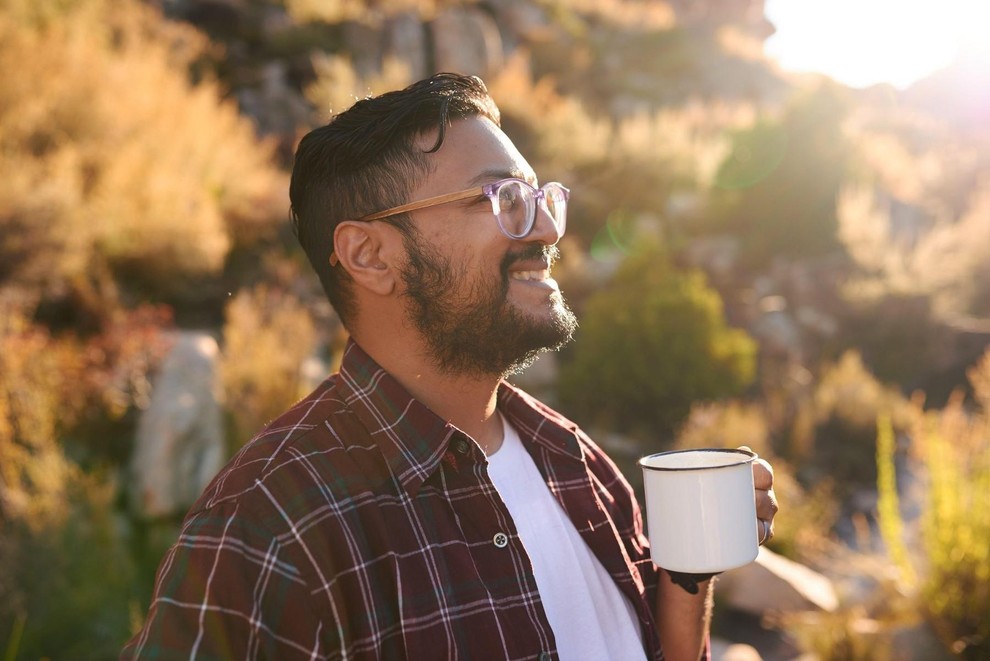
413	439
538	423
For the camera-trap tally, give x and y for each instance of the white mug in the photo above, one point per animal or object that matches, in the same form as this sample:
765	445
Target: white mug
701	509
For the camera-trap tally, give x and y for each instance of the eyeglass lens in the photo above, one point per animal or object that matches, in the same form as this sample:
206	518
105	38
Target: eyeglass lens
517	204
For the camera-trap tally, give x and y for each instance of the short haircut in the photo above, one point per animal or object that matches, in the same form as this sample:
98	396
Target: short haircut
366	160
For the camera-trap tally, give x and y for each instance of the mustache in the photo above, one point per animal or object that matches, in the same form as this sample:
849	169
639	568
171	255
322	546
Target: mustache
533	251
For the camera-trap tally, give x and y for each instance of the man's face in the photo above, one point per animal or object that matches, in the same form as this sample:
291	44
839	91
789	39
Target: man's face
484	303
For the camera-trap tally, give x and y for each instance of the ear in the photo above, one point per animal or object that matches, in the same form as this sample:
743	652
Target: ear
365	251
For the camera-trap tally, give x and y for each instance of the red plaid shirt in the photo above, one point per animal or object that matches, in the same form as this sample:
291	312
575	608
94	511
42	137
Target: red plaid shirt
359	525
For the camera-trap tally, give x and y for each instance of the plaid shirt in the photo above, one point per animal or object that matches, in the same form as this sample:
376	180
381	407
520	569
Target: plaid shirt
359	525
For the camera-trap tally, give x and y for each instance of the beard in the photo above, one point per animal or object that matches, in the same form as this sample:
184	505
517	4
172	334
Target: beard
473	329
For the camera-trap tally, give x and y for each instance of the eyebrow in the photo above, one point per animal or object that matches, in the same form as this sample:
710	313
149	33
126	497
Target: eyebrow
495	175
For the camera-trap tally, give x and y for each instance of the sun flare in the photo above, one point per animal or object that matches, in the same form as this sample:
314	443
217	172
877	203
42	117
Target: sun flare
863	42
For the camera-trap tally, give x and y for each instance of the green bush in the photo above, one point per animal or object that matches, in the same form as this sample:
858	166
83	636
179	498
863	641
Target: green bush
58	534
779	186
652	342
845	406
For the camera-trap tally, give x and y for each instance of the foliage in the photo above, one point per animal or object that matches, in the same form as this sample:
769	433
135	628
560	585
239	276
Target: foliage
633	165
57	533
728	425
654	340
844	409
338	86
888	502
54	580
336	11
954	571
127	171
846	635
781	180
267	337
920	251
899	337
112	156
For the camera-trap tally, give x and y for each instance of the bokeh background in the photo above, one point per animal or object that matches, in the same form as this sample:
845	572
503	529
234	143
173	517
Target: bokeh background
791	261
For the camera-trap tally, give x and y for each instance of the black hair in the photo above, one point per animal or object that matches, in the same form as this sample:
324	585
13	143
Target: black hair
366	160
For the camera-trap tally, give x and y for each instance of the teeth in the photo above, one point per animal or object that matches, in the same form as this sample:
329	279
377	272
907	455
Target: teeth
529	275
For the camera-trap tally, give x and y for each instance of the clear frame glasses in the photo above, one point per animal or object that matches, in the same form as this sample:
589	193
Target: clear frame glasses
514	203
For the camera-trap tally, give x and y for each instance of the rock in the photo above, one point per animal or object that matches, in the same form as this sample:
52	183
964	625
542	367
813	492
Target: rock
179	445
918	641
363	45
724	651
405	40
466	40
521	22
778	333
275	107
774	584
748	15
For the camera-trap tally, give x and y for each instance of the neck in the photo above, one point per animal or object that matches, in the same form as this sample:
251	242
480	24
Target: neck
466	401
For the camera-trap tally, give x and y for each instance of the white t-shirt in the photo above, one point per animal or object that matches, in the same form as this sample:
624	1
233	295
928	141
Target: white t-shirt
590	617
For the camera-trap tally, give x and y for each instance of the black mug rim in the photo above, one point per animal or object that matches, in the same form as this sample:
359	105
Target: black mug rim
749	455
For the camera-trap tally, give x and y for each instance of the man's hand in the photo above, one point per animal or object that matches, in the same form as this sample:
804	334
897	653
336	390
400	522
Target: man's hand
766	499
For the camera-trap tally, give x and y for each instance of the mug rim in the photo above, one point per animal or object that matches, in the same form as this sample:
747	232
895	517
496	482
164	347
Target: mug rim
749	455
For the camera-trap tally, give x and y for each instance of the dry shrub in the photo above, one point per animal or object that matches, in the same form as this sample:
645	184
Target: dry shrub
114	155
338	85
337	11
917	224
728	425
628	14
633	165
267	337
38	400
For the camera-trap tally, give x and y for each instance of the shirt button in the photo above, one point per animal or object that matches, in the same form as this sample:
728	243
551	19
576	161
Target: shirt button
461	446
544	656
501	540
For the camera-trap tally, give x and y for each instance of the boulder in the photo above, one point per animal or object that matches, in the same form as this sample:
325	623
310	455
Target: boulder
179	444
521	22
725	651
466	40
405	41
774	584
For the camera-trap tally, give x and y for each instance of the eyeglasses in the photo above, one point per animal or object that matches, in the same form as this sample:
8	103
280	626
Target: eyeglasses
514	204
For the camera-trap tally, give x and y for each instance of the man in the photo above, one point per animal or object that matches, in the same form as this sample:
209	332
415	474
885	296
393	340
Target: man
416	506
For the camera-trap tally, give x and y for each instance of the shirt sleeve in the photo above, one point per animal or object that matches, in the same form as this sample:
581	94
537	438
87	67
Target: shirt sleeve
227	590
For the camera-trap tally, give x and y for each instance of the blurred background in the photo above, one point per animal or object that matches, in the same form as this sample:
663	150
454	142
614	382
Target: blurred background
779	237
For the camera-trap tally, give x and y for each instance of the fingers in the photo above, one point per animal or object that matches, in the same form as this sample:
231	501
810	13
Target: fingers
766	499
766	504
762	475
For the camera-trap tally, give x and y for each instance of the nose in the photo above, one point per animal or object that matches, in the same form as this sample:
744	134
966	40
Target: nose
544	229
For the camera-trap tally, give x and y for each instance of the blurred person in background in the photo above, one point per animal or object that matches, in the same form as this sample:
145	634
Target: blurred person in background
416	505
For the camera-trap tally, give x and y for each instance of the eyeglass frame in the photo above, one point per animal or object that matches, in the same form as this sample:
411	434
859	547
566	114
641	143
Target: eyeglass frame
488	190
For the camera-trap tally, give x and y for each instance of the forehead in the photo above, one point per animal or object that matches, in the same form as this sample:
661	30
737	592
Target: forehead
474	151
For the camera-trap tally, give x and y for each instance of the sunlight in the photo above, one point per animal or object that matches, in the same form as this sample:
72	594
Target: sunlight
864	42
